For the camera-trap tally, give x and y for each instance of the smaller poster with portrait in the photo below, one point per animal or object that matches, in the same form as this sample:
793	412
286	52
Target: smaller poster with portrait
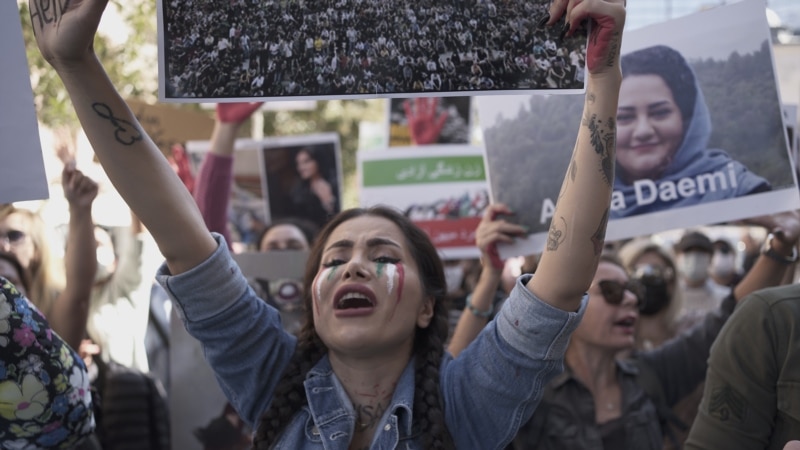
442	189
301	177
429	120
700	134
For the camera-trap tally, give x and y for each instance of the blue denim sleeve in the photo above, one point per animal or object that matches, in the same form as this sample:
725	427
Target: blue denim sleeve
495	384
242	337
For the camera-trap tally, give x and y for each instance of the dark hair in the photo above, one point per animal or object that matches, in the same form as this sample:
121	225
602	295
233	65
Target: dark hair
307	227
672	67
24	276
314	152
289	395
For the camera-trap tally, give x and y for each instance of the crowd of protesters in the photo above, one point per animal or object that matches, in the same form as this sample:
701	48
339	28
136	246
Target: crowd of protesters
350	47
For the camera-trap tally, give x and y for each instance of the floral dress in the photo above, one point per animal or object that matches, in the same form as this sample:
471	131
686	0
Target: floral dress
45	397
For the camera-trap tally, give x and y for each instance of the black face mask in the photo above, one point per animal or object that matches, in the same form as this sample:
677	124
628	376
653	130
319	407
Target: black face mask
656	292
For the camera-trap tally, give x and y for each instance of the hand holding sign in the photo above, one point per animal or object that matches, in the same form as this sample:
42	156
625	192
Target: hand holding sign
608	20
492	230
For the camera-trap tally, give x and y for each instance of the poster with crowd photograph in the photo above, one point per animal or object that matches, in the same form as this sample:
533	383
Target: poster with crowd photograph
443	189
429	120
22	173
264	49
302	177
700	132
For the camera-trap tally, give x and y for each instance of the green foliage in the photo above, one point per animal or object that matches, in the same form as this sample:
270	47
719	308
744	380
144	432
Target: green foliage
52	102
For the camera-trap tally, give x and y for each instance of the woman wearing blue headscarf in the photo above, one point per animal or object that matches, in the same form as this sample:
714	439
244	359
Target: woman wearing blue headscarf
663	129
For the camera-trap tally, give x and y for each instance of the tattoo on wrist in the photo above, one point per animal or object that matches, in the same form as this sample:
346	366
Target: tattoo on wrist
556	236
613	49
599	236
126	133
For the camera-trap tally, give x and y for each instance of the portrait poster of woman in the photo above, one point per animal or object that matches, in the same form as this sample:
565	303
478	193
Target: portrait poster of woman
700	132
302	177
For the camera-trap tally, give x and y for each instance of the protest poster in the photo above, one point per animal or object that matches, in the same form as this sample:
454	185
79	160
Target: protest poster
371	135
302	177
264	49
168	125
22	173
198	408
425	121
714	152
442	189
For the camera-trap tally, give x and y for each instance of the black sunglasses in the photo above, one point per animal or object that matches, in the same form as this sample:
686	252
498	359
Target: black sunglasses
614	292
12	236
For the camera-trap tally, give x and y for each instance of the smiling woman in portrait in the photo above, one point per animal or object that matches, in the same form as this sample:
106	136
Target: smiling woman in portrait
663	130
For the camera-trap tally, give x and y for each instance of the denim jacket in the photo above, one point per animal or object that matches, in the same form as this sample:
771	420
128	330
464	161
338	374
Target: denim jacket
488	391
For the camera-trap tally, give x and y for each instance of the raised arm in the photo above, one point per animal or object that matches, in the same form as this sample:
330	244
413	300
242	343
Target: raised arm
491	230
577	229
70	311
135	166
212	190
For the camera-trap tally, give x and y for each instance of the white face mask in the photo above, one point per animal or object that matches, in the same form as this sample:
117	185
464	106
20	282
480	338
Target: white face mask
693	266
105	264
723	265
454	276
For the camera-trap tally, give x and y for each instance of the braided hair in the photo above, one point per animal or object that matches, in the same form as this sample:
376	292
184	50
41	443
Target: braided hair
429	420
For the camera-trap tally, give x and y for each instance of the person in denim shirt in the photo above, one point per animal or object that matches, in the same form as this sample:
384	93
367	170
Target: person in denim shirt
369	369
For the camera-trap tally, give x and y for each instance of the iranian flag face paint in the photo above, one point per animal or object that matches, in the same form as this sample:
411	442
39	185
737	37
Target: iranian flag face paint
325	275
392	271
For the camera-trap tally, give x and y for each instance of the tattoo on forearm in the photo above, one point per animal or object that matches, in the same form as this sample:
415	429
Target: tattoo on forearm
556	236
603	138
613	49
599	236
125	132
48	11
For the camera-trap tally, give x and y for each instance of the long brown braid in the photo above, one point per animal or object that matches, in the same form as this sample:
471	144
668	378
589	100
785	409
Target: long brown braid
289	396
